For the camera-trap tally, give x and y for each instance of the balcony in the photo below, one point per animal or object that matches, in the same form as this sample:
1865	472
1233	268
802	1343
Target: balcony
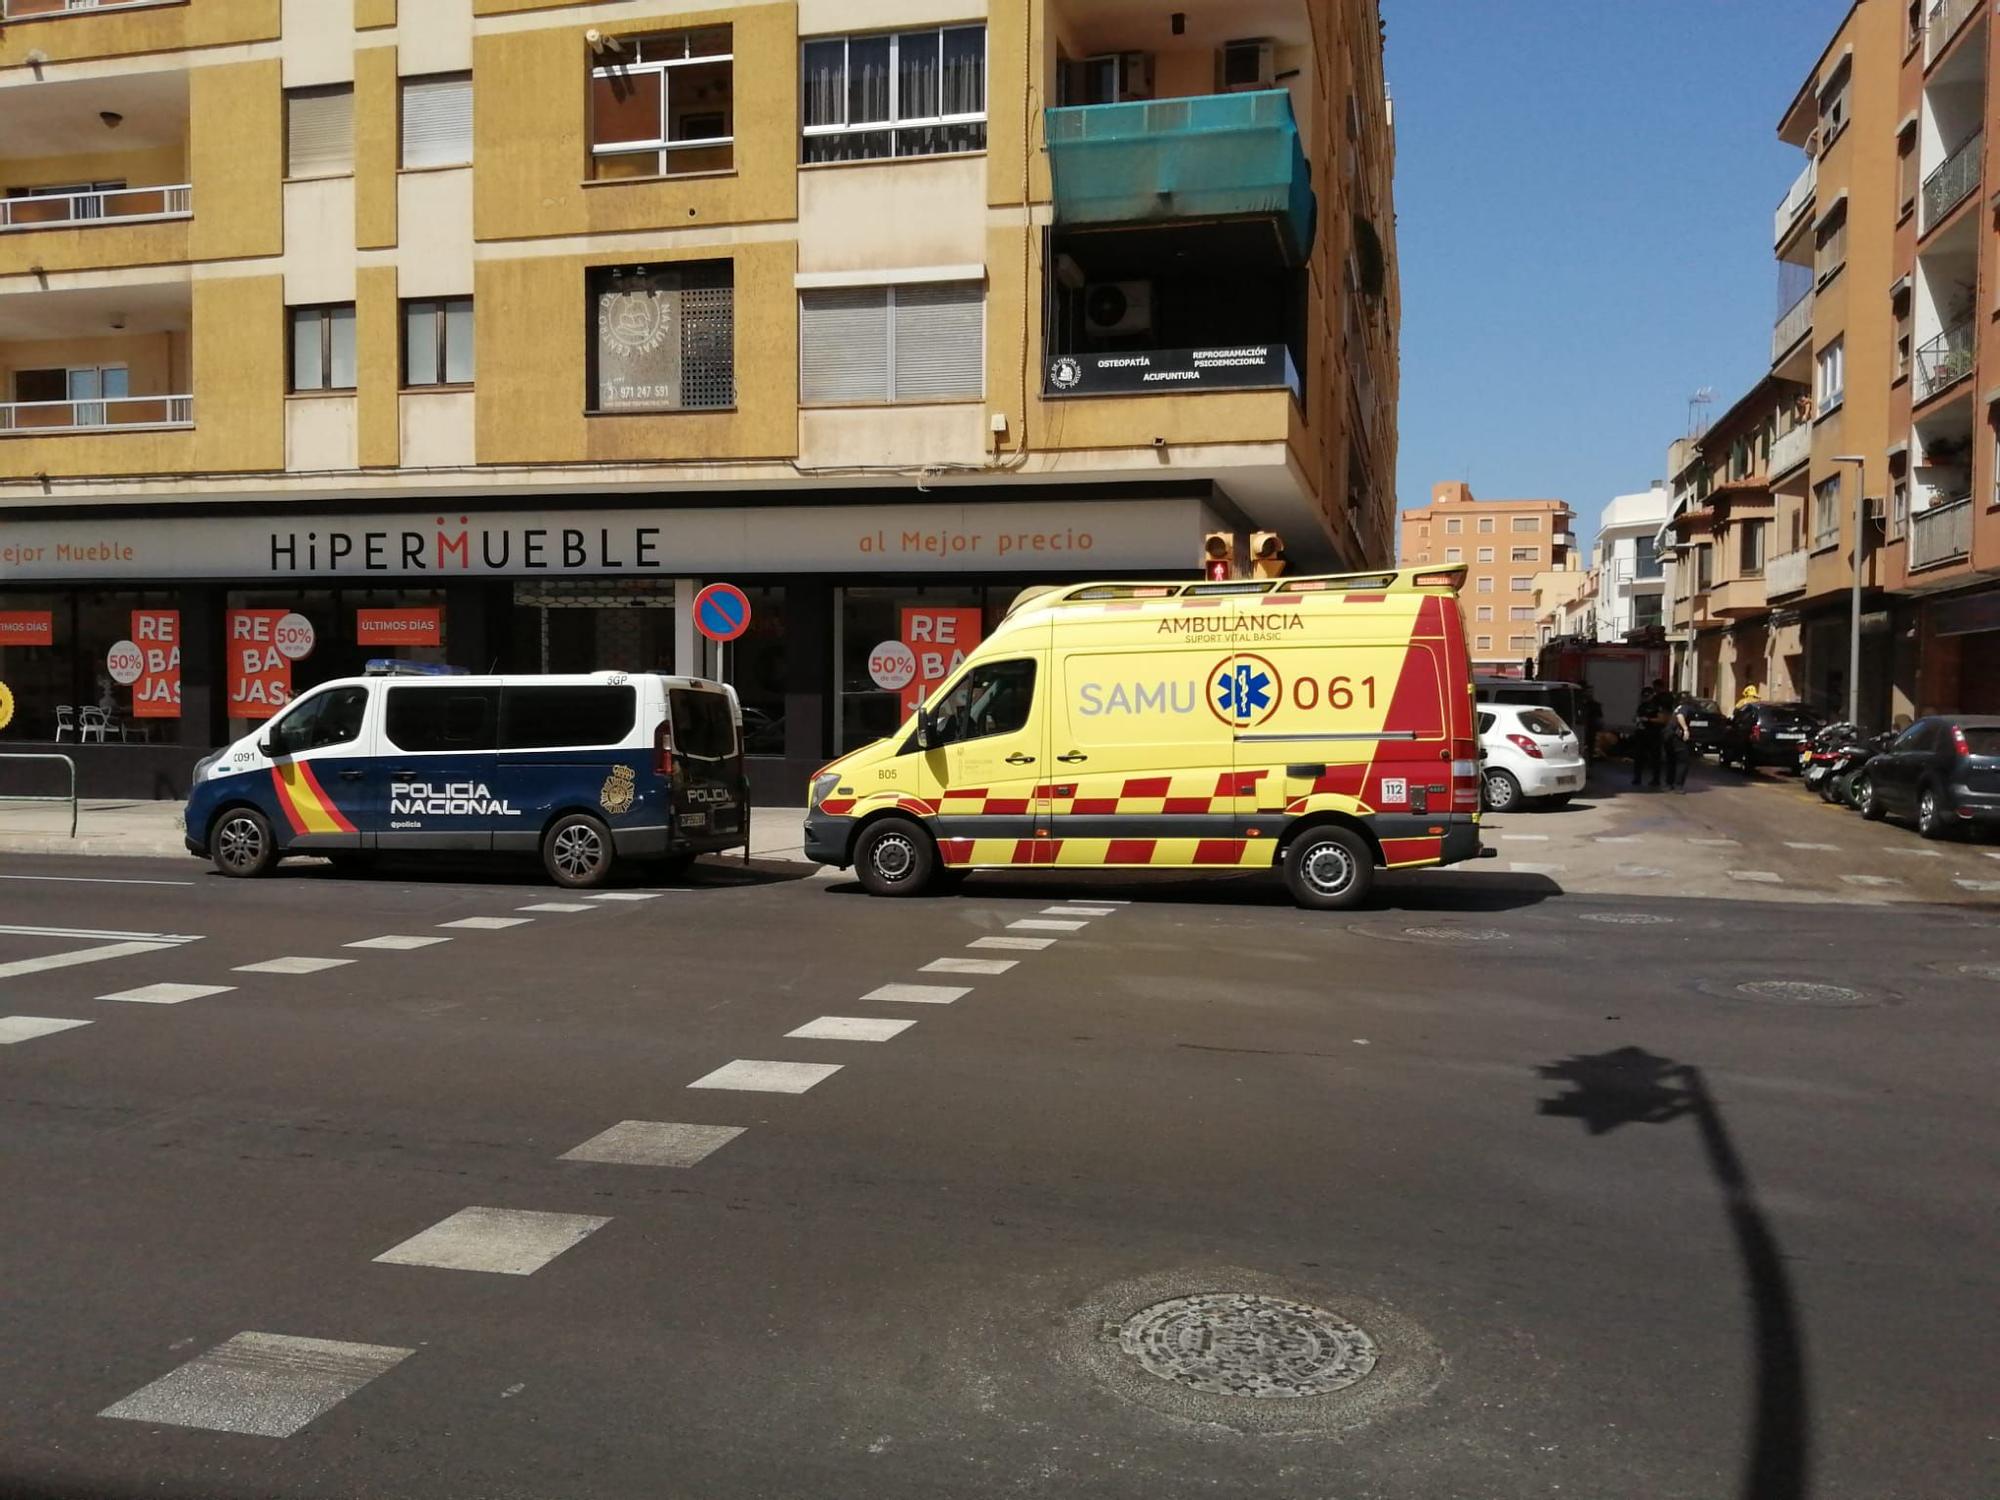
1941	23
1738	598
96	206
100	414
1794	323
1163	161
1944	361
1785	574
102	359
1953	180
32	10
1941	534
1795	202
1790	449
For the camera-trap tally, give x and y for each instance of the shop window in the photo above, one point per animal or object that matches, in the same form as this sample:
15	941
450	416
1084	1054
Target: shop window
538	718
863	345
663	339
437	342
322	340
910	93
991	700
54	657
329	718
756	669
319	131
663	105
939	625
443	719
437	120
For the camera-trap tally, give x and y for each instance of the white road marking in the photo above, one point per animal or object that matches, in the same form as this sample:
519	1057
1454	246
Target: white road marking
1978	885
761	1077
1522	867
15	1029
1761	877
92	880
626	896
1529	838
1045	924
1992	854
1718	843
49	961
1078	911
487	924
101	935
970	965
1871	880
1918	853
1617	838
1638	872
395	943
653	1143
1827	847
1024	945
169	994
262	1384
917	994
501	1241
850	1029
558	906
292	965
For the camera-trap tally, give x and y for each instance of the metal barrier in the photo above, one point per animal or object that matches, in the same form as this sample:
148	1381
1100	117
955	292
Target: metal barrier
70	798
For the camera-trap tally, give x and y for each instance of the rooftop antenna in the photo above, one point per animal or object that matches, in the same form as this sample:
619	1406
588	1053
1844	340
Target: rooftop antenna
1698	422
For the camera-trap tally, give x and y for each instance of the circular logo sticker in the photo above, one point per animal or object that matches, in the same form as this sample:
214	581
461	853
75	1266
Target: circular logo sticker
294	638
125	662
1244	690
892	666
6	706
1065	374
633	322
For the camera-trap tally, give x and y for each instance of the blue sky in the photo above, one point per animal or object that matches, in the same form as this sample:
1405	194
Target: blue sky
1584	192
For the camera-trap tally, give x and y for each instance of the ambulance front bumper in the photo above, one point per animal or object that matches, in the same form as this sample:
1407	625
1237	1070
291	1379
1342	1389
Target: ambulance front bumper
826	839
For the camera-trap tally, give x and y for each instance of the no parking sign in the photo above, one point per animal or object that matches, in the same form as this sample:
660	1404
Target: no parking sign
721	612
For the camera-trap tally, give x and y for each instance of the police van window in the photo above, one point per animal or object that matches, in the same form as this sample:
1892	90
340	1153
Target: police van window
704	729
989	700
535	718
442	718
329	718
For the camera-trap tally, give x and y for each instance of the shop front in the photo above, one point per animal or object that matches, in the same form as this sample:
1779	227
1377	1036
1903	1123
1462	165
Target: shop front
138	642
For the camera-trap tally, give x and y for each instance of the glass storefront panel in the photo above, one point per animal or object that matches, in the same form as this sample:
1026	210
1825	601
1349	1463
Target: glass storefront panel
55	658
258	677
870	616
756	667
593	625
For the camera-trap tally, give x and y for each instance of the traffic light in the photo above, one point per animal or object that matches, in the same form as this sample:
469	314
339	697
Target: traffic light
1218	556
1267	555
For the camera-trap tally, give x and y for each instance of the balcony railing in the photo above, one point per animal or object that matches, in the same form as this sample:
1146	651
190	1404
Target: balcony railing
1794	323
107	414
22	10
101	206
1953	181
1796	201
1941	24
1944	360
1941	534
1785	574
1790	449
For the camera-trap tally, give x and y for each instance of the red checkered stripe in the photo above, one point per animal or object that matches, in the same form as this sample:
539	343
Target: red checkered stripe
1188	792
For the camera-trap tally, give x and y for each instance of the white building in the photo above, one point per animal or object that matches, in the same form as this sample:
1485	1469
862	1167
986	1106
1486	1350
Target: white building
1630	583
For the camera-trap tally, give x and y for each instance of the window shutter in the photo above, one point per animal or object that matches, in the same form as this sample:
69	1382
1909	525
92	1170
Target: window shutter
437	120
844	345
319	131
940	335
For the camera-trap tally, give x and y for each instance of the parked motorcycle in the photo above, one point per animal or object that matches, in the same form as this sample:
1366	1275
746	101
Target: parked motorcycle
1819	754
1849	781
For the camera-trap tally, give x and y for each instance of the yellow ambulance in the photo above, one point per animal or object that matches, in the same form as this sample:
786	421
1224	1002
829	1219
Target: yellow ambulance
1321	726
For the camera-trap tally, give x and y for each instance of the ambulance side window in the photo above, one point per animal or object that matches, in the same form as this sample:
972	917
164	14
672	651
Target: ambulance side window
992	699
329	718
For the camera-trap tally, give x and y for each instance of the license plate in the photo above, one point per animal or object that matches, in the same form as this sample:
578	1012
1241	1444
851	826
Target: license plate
1791	736
694	820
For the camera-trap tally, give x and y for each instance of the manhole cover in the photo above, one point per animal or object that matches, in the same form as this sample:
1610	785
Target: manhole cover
1627	918
1459	934
1232	1344
1803	992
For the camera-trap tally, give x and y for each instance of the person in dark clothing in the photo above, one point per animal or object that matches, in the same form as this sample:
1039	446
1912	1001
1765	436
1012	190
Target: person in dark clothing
1677	747
1647	738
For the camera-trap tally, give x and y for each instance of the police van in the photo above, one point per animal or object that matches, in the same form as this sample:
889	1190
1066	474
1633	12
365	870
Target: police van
588	771
1319	726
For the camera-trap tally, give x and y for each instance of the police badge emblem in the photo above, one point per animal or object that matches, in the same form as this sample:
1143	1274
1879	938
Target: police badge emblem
618	791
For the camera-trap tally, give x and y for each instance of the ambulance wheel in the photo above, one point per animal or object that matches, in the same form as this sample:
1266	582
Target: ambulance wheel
241	843
895	857
577	852
1329	869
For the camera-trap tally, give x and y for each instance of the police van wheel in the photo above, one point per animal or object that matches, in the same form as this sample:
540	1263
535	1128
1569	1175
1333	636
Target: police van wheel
241	843
577	852
1329	869
895	858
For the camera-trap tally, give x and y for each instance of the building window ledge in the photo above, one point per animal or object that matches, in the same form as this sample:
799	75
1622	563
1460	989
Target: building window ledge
655	180
13	14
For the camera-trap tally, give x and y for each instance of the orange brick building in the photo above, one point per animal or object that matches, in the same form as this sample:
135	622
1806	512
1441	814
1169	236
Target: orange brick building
1503	544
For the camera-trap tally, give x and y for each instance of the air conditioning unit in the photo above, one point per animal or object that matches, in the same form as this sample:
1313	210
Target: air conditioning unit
1246	64
1117	307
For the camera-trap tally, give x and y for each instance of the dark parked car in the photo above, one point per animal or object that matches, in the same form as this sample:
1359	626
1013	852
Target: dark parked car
1943	772
1767	734
1709	723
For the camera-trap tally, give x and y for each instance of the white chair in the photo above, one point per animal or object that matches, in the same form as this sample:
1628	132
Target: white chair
65	720
93	721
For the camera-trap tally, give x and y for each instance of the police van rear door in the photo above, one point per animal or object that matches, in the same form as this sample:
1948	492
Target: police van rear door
707	761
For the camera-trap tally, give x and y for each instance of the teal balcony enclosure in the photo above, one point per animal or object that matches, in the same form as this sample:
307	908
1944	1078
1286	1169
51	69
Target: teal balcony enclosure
1161	161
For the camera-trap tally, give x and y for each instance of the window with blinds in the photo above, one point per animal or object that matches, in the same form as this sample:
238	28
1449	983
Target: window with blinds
319	131
892	344
437	120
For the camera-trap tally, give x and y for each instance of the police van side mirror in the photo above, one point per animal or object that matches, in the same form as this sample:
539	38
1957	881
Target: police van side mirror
268	747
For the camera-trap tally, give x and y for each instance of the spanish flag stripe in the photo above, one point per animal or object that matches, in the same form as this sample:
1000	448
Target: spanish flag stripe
305	804
285	801
332	809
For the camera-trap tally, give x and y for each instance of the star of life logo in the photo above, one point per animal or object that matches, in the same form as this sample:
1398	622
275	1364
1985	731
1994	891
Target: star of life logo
1245	691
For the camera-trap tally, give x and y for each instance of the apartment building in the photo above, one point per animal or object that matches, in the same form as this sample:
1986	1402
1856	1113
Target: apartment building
1565	602
488	331
1505	545
1625	558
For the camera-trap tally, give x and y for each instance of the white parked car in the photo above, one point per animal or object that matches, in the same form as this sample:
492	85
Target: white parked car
1529	755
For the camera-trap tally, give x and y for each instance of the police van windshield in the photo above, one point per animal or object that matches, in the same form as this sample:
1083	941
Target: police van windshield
704	729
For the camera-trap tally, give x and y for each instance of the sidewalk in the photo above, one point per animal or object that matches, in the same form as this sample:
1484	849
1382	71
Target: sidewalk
148	830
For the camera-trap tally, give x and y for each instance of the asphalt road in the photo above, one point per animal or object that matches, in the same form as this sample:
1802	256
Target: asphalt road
1612	1223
